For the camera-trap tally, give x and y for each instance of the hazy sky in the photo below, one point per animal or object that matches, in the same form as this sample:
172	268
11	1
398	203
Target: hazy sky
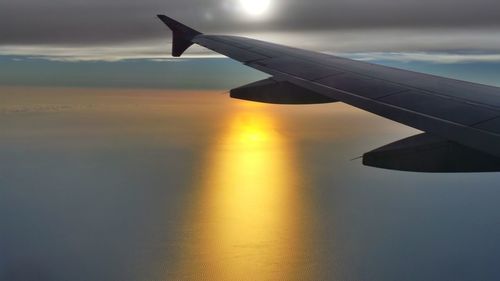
105	29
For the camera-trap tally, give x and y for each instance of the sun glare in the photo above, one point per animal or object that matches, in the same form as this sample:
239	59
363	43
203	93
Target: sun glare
255	7
247	221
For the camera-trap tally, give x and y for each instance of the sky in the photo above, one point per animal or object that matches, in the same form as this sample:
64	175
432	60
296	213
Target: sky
111	30
122	44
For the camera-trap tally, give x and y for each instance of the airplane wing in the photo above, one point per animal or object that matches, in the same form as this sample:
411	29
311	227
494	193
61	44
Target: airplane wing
460	120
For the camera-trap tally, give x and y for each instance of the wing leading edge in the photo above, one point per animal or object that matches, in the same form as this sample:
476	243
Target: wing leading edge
461	120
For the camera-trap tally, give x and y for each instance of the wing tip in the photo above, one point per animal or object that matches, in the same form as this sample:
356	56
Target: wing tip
182	34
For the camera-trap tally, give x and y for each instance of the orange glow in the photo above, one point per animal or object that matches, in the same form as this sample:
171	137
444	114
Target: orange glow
250	216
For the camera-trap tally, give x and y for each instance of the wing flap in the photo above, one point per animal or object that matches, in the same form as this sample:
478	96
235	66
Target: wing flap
366	87
492	125
440	107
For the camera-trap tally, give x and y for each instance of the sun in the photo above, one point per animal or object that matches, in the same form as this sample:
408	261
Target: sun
255	7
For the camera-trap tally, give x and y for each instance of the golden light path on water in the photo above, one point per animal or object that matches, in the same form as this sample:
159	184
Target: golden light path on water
250	219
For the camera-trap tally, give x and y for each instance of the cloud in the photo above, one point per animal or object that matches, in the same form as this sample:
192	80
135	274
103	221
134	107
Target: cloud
73	30
150	50
105	21
460	45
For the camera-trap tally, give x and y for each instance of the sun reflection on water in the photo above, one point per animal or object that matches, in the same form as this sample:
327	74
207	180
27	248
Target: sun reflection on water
250	218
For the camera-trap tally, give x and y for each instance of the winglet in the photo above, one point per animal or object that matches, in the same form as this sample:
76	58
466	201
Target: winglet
182	35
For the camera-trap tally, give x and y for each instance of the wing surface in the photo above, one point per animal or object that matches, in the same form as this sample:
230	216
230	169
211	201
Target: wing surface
465	113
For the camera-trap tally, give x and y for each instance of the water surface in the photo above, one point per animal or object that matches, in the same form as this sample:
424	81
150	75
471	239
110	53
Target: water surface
191	185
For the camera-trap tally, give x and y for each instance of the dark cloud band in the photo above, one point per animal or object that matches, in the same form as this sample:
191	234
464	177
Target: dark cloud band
105	21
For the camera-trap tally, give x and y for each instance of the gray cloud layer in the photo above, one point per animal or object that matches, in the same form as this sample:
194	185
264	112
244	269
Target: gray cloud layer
93	22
